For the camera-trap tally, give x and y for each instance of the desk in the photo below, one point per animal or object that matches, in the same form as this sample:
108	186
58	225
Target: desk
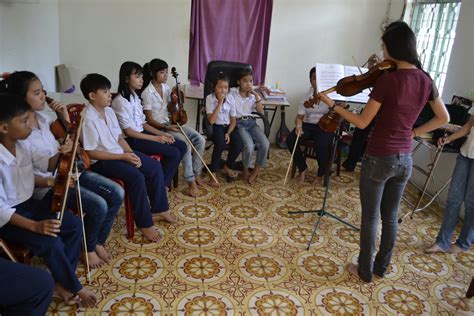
197	93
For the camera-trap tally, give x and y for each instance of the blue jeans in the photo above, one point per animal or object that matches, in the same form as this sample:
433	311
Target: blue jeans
461	190
101	200
24	290
191	162
250	133
382	182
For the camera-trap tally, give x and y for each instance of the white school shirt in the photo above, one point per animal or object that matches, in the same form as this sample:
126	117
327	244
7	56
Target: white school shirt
227	109
42	144
244	106
467	149
153	101
129	113
16	177
311	115
100	134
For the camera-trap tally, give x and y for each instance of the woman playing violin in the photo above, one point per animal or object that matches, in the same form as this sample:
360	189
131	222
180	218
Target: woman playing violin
396	101
306	123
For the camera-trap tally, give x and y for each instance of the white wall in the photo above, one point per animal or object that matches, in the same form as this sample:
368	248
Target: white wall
29	38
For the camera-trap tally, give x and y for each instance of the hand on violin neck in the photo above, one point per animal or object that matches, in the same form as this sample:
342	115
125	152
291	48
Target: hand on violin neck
49	227
66	147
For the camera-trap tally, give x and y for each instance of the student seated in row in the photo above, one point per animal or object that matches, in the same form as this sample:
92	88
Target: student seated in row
306	123
101	197
30	222
220	108
156	97
246	102
111	156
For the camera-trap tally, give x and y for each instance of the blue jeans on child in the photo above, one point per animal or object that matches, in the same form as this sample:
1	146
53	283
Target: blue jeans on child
146	182
382	182
218	138
252	136
24	290
101	200
191	162
61	253
461	190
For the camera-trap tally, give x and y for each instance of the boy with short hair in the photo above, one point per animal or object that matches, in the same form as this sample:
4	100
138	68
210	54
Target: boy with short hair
111	156
29	222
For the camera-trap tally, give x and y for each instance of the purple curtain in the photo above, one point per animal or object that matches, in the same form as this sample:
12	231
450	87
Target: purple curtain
232	30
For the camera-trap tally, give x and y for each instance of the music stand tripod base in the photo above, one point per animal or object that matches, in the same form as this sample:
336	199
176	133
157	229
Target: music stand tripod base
322	212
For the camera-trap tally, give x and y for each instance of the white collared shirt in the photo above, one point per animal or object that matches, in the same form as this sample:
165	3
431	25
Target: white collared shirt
227	109
16	177
467	149
129	113
153	101
99	133
311	115
244	106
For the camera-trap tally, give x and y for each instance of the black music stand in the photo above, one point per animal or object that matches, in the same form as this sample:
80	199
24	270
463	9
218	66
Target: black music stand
322	212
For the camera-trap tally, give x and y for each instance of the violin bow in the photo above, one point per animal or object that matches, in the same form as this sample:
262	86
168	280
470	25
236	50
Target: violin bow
197	153
81	214
292	154
360	70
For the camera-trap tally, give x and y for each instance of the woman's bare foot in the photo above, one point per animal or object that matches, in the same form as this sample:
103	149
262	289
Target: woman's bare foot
354	270
245	173
103	253
231	173
94	260
166	216
193	189
151	234
434	249
67	297
319	181
213	183
199	181
301	176
87	297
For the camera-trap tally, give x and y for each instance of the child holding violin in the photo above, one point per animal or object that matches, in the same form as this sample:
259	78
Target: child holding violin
246	102
396	99
30	222
157	100
306	124
112	156
221	113
101	197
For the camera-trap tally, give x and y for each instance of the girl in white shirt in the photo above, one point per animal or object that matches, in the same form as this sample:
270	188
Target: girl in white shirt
461	190
220	109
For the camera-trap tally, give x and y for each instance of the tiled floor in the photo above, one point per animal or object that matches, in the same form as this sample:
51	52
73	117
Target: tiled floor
236	251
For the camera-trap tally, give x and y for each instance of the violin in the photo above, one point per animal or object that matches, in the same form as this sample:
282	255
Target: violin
349	86
175	108
60	128
65	164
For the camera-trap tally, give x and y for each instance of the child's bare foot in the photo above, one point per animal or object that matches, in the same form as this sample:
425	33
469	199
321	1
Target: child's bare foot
166	216
199	181
103	253
87	297
151	234
94	260
300	177
245	174
253	177
213	183
319	181
67	297
193	189
231	173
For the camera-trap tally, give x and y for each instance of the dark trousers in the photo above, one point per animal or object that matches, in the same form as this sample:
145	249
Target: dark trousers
172	154
142	184
24	290
358	145
322	141
218	138
61	253
382	182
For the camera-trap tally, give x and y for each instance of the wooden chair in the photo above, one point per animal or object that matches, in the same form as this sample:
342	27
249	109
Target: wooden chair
15	252
129	221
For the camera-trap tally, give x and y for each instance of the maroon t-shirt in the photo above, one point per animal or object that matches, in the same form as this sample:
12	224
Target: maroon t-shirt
402	95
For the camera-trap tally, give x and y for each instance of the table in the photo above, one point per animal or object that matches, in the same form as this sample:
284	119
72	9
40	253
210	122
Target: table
197	93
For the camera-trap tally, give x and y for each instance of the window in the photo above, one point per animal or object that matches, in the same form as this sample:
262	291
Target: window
434	23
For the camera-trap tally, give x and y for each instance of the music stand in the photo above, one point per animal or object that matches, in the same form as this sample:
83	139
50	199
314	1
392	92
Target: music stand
322	212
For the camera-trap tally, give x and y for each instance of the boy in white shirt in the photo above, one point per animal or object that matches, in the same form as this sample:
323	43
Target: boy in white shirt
29	222
111	156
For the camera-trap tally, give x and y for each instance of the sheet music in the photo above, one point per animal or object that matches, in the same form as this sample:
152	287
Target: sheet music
363	96
327	76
